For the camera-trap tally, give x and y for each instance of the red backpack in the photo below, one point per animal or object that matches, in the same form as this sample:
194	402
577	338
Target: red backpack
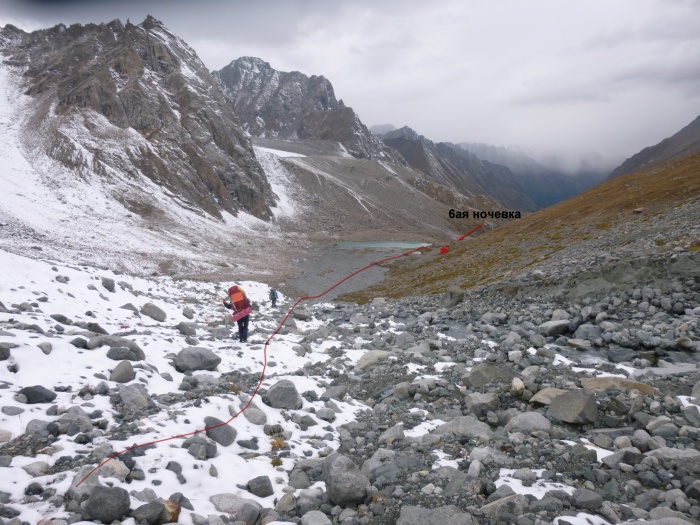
240	303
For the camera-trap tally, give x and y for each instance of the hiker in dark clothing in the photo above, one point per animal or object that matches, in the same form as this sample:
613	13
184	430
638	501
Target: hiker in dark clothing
240	305
273	297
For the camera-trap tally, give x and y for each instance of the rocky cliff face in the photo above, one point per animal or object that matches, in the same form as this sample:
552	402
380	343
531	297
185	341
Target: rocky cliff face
124	101
292	105
459	169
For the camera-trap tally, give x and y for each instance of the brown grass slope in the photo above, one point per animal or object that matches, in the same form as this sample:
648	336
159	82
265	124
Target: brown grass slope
637	210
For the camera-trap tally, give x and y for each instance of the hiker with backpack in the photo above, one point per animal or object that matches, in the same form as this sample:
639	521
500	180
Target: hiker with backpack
239	303
273	297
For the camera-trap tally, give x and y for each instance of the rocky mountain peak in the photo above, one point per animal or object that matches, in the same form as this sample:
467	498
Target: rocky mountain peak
405	133
292	105
93	83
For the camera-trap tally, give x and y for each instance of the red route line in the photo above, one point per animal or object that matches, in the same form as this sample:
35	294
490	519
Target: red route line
262	373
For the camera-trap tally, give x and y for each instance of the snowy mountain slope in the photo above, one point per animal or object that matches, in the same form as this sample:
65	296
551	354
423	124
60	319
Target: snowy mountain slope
124	221
113	101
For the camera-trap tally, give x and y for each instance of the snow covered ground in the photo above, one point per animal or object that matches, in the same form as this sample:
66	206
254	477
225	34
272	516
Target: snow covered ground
31	291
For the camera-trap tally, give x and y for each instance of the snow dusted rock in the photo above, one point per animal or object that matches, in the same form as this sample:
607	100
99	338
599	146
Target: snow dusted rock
116	341
188	312
45	347
123	373
114	468
527	422
315	517
37	394
576	406
154	312
75	420
224	434
283	394
465	426
253	413
261	486
107	504
344	481
200	447
446	515
371	358
108	284
150	512
241	509
196	358
121	353
37	468
5	350
337	392
134	397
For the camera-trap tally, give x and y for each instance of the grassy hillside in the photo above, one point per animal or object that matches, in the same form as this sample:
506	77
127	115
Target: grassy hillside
632	210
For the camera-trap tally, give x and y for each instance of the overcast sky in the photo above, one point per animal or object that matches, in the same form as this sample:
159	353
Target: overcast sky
609	77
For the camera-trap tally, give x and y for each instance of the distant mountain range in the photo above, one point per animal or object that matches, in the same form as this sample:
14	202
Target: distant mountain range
512	178
684	143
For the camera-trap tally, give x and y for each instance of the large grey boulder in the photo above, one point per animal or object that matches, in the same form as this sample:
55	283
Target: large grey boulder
73	421
689	458
344	481
241	509
485	373
576	406
134	397
261	486
588	331
553	328
452	298
465	426
527	422
514	505
196	358
116	341
123	373
446	515
481	403
154	312
223	434
370	359
315	517
253	413
78	494
283	394
37	394
107	504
